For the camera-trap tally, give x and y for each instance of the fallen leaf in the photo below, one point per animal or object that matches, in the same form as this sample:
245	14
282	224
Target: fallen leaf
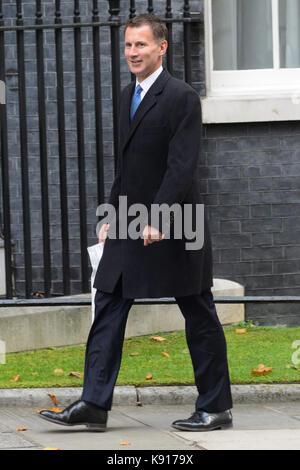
149	377
76	374
16	378
261	370
134	354
165	354
169	375
158	338
58	372
51	448
22	428
53	398
185	351
34	373
38	294
56	410
241	330
125	444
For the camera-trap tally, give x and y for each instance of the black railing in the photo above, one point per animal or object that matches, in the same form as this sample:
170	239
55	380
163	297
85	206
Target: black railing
6	230
114	19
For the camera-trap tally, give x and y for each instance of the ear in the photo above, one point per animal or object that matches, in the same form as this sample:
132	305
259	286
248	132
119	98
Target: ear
163	47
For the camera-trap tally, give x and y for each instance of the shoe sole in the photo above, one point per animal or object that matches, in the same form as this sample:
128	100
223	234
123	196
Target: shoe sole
90	426
213	428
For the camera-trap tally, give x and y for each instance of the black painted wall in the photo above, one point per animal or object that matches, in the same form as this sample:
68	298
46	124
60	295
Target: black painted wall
252	187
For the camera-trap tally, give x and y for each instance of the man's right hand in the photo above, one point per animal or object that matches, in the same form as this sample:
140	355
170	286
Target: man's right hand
103	233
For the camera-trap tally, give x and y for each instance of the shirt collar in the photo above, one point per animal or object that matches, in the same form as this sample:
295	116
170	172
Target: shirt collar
148	82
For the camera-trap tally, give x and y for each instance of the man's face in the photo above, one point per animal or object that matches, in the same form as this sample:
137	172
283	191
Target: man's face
142	52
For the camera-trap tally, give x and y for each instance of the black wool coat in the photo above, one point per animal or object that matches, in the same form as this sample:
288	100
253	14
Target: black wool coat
157	164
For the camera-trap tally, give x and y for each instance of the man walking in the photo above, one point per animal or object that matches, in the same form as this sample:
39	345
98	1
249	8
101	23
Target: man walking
159	140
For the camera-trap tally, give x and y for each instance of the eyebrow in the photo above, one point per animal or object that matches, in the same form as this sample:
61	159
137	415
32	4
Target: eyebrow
136	42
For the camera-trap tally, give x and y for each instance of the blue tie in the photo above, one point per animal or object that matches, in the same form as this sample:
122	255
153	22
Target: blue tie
136	99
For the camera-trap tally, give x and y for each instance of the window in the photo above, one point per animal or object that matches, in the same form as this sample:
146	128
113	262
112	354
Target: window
289	33
252	60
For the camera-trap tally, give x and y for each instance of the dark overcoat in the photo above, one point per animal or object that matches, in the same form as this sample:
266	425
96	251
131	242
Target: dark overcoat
157	164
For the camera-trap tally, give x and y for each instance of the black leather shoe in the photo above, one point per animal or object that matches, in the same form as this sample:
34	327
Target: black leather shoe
203	421
78	413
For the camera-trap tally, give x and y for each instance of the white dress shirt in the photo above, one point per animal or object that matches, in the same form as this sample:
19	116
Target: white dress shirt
148	82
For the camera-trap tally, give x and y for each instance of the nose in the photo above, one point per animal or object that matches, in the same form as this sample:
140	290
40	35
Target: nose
133	51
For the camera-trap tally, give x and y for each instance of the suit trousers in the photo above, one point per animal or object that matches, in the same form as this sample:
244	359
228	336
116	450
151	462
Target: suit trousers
205	339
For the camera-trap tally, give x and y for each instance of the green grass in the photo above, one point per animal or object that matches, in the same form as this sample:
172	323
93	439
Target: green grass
269	346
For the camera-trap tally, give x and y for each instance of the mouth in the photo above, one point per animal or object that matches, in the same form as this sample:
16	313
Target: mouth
135	62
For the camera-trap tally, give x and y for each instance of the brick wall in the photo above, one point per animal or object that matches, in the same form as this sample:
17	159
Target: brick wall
249	173
250	177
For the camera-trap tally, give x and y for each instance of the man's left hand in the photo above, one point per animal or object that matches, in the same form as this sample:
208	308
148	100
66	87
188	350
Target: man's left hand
151	234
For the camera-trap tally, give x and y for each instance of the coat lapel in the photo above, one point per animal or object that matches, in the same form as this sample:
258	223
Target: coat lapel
124	117
147	103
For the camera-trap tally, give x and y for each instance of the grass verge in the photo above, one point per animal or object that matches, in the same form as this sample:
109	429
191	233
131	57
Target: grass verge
271	346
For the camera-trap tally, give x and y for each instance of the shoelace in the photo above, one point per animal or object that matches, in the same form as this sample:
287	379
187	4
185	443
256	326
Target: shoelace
196	416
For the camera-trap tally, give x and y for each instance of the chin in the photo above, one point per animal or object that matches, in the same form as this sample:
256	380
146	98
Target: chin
138	71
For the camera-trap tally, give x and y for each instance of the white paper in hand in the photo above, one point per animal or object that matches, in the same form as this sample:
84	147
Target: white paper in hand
95	253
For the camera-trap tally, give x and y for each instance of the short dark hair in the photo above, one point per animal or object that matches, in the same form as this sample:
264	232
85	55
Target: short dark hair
159	29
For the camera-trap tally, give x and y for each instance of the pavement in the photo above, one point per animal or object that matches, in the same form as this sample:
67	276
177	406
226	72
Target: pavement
265	417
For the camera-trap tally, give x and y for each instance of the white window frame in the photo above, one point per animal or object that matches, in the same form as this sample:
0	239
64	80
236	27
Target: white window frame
249	95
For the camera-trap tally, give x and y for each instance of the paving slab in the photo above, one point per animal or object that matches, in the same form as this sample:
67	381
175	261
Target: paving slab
256	427
10	439
266	417
279	439
122	427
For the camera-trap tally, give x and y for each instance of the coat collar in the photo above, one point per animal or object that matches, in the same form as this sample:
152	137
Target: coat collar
147	103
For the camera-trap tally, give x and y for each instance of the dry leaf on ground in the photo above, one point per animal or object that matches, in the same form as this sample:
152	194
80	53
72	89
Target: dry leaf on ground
76	374
58	372
261	370
56	410
134	354
165	354
38	294
53	398
16	378
149	377
125	444
51	448
22	428
241	330
158	338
